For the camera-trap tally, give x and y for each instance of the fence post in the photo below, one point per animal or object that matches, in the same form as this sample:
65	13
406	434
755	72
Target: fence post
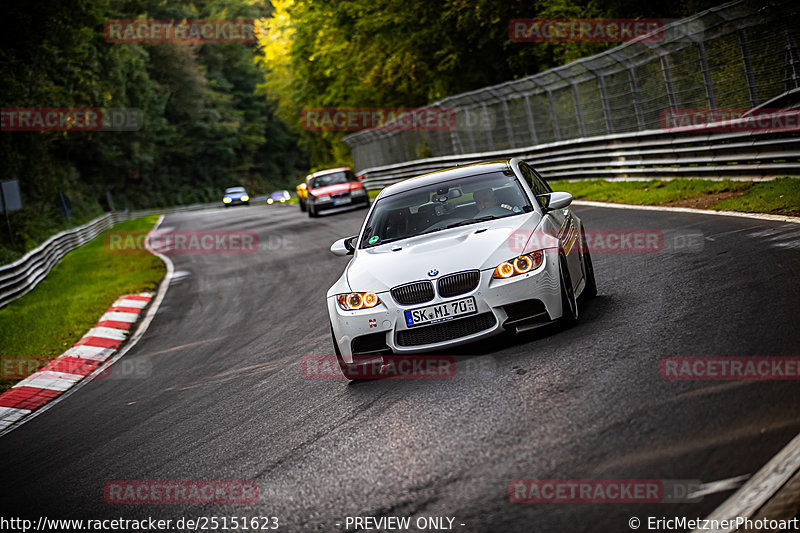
489	135
469	131
712	101
748	68
531	123
553	115
637	106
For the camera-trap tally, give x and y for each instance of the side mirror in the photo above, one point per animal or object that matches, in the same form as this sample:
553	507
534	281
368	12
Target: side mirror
554	200
346	246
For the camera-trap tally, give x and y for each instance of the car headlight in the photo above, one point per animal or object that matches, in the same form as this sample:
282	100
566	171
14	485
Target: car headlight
358	192
519	265
226	200
358	300
270	200
245	198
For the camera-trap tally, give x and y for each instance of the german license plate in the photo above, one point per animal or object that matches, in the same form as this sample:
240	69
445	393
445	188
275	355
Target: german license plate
440	312
342	201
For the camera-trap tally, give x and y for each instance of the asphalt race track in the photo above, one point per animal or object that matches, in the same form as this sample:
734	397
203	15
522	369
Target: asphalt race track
219	394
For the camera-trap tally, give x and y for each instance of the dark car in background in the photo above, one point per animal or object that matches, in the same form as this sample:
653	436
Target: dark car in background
334	189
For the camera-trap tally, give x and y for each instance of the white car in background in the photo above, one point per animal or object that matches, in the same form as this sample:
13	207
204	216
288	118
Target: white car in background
454	256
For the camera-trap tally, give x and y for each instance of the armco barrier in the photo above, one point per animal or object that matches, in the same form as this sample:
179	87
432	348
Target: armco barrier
655	153
21	276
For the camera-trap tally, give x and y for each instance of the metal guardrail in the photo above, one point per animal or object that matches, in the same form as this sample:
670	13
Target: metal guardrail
656	153
21	276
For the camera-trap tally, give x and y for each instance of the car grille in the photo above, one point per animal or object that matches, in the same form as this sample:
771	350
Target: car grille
459	283
413	293
445	331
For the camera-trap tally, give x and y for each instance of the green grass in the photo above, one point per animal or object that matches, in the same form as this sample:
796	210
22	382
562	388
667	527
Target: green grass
51	318
777	196
651	192
780	196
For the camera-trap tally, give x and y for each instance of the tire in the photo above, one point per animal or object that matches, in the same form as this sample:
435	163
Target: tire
569	304
312	213
302	205
590	290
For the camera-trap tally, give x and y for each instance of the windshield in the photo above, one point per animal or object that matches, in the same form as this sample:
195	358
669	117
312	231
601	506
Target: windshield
234	190
448	204
331	179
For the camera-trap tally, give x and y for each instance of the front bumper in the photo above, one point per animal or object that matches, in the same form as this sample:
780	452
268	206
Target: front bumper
355	201
383	329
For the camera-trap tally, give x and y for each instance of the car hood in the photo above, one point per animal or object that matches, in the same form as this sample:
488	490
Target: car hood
478	246
335	188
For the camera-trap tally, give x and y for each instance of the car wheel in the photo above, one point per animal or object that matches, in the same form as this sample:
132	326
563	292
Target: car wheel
311	211
569	304
590	290
352	371
302	205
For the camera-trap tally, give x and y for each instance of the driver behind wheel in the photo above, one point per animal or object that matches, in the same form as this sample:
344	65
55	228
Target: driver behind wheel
488	204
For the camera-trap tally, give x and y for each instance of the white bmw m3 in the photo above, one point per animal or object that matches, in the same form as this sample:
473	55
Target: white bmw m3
454	256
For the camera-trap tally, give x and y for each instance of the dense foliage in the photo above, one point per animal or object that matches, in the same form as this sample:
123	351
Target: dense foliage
205	128
370	53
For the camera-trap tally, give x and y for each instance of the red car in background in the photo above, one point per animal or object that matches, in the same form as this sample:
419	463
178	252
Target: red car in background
335	188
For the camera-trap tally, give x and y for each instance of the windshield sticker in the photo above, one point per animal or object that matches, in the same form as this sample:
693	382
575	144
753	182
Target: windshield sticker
374	239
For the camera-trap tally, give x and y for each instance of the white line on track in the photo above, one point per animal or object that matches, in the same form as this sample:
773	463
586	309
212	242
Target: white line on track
759	216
